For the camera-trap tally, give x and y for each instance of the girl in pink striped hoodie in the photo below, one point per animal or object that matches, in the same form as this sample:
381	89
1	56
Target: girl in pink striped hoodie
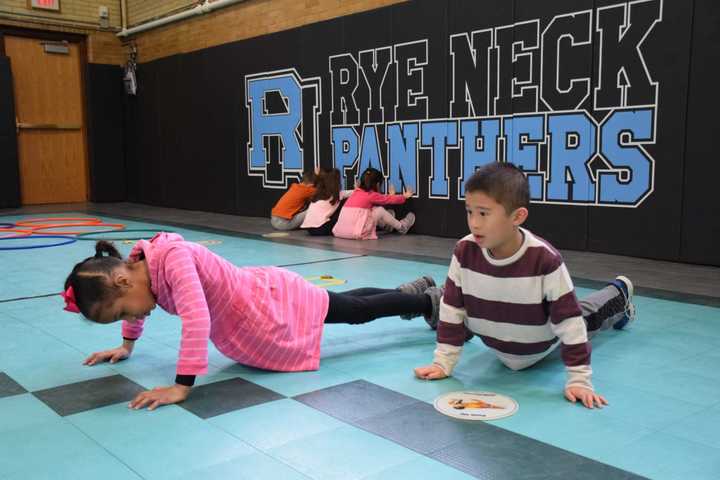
264	317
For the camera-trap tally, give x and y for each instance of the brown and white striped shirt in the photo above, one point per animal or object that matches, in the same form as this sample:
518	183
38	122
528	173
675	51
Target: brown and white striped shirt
522	307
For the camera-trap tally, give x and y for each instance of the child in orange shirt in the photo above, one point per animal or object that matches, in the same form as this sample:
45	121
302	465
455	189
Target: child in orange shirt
289	212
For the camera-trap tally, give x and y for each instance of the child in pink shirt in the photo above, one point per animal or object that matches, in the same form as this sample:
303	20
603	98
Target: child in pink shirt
363	211
264	317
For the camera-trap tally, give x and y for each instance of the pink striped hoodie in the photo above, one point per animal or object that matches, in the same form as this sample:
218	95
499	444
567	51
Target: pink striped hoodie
264	317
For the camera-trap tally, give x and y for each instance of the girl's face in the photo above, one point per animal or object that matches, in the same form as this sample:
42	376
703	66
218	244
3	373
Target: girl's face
135	301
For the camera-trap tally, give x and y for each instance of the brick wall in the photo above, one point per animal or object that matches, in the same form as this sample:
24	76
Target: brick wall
244	20
76	16
83	12
140	11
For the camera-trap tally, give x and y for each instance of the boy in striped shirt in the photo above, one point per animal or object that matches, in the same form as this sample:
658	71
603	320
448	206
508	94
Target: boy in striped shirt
512	289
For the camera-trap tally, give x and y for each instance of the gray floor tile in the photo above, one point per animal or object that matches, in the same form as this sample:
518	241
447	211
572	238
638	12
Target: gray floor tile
9	387
229	395
495	454
355	401
90	394
418	426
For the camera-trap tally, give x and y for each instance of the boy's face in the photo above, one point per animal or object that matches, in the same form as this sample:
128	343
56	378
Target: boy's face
489	223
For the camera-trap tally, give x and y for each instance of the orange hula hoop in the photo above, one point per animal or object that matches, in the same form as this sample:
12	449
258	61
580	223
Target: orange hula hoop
40	222
41	229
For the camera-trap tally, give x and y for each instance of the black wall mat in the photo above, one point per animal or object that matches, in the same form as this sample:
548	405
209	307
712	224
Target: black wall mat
9	170
701	207
653	229
588	97
106	145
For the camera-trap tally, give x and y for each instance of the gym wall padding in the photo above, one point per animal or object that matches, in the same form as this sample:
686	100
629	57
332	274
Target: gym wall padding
701	205
9	175
188	130
106	145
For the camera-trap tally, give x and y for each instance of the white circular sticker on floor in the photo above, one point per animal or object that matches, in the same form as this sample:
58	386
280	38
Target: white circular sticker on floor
475	405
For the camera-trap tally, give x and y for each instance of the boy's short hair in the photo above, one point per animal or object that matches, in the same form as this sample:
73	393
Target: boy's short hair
308	176
503	182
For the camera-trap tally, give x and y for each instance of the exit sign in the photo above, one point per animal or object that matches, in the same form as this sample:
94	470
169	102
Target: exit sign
52	5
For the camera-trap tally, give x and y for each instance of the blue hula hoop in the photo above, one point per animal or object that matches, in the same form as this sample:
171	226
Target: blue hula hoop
66	241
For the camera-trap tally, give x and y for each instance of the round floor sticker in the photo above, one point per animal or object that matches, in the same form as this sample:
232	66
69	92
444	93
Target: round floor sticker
475	405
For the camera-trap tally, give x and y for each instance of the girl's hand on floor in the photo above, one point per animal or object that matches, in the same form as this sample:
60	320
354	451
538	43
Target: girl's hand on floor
160	396
430	372
586	396
113	355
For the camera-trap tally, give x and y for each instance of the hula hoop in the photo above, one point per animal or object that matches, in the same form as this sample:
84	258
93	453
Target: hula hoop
66	241
7	225
91	235
23	233
33	222
41	229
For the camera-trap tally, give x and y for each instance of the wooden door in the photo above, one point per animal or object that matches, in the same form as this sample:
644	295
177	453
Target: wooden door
50	121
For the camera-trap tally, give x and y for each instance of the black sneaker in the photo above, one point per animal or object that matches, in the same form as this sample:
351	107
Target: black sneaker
435	294
416	287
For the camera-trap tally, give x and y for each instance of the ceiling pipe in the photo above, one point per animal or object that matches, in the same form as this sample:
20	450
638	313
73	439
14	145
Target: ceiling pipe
200	9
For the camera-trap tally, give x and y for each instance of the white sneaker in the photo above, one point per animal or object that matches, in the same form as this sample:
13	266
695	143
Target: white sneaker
387	227
407	223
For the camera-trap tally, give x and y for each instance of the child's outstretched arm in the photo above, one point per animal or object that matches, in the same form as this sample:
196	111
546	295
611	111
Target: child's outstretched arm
568	325
191	305
451	328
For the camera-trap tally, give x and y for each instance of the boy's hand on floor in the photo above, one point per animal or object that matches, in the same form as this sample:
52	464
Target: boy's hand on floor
430	372
160	396
586	396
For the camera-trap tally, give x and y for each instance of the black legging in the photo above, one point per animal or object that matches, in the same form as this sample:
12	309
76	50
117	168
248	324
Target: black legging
326	228
366	304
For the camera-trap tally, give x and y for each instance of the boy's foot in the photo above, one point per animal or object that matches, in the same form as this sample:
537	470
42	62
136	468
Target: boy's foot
416	287
435	294
407	223
626	288
387	227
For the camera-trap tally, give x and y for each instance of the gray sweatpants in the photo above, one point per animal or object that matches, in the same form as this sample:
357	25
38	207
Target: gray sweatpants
279	223
601	309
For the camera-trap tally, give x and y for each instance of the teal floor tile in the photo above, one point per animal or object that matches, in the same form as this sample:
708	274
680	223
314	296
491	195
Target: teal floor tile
88	465
23	411
344	453
162	443
296	383
248	467
662	456
700	427
53	441
267	426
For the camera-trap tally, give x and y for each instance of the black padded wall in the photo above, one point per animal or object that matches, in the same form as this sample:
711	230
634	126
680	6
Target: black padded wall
588	97
106	143
701	203
9	176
